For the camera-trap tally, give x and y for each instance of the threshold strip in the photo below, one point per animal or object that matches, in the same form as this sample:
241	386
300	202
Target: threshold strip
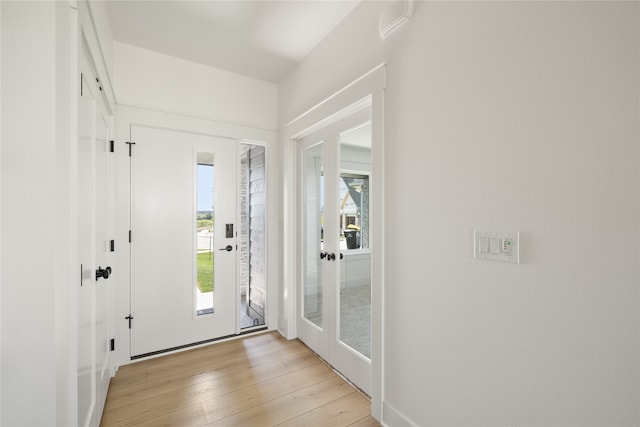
180	347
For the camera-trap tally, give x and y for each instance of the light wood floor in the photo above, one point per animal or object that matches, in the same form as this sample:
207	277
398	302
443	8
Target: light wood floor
261	380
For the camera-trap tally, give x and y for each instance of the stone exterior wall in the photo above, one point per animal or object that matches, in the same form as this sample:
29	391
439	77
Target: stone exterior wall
257	250
243	232
251	242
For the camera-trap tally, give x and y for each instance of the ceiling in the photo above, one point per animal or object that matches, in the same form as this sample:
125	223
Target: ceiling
262	39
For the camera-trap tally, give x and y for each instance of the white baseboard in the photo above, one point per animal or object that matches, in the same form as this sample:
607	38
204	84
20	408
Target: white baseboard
391	417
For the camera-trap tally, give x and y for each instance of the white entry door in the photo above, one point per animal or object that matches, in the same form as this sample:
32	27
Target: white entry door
95	213
183	239
335	256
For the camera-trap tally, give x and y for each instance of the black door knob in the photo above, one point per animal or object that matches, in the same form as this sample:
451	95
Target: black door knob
227	248
104	273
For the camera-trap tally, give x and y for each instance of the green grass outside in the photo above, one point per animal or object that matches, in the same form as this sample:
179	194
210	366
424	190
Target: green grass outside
205	271
205	223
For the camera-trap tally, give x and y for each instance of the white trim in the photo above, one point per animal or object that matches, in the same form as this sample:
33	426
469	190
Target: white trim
371	84
74	57
393	417
343	114
0	209
377	227
327	100
95	47
197	116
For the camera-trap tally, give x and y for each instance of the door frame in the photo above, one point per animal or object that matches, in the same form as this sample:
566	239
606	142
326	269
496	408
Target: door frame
87	71
148	117
325	339
369	88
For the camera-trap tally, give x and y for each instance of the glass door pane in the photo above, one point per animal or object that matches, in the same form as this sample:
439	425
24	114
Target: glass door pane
204	234
251	239
312	233
354	291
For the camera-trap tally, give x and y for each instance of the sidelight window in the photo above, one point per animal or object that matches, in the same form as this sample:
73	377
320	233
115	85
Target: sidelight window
204	234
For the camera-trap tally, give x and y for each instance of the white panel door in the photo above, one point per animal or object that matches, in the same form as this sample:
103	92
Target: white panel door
103	202
171	304
86	243
94	212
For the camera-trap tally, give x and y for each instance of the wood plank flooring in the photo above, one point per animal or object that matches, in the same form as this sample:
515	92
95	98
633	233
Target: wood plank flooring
260	380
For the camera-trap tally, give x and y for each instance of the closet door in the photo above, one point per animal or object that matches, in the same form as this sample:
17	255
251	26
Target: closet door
95	214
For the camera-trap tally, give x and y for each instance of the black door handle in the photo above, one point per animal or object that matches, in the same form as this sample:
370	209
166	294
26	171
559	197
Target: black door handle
323	255
227	248
331	257
104	273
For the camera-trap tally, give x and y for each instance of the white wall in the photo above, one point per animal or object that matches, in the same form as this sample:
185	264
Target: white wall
39	270
508	116
65	267
29	129
159	82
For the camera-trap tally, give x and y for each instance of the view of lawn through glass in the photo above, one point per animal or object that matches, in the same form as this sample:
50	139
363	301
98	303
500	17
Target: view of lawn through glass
204	234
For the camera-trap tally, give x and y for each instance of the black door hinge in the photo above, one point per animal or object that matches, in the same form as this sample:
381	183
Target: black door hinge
113	344
81	84
112	146
112	245
130	144
129	236
129	318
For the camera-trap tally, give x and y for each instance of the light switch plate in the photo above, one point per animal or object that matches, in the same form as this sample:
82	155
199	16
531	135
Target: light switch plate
502	246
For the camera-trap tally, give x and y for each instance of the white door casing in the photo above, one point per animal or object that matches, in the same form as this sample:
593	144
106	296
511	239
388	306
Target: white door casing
86	236
94	213
335	106
163	243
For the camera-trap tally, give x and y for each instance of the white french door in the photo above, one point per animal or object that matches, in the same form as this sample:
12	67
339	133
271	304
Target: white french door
183	239
335	257
95	213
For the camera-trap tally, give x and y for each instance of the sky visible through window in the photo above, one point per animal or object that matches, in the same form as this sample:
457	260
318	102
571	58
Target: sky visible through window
205	188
